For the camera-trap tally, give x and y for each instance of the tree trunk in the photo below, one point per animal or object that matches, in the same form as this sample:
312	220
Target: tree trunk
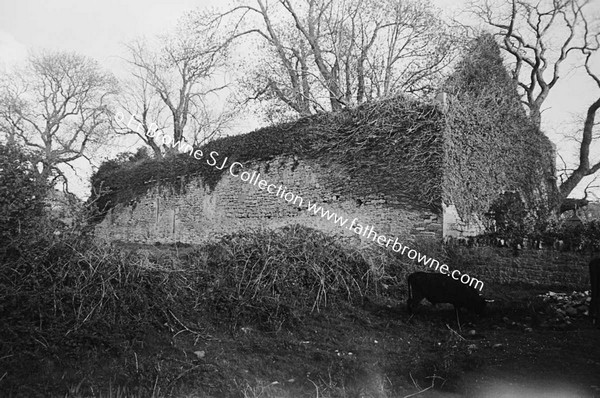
584	169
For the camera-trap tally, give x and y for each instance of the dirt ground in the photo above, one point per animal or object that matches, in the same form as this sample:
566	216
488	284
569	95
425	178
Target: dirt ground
517	352
371	350
381	351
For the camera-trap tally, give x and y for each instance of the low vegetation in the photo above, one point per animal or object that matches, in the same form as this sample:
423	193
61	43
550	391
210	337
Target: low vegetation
508	219
283	313
266	313
71	299
222	319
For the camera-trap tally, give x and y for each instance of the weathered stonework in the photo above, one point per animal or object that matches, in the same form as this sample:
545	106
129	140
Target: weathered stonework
395	195
553	269
455	227
199	215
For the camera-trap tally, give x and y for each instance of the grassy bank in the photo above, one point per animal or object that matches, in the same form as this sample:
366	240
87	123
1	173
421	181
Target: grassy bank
101	315
259	314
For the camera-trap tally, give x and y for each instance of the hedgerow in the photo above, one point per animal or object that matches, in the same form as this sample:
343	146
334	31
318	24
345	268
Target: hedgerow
74	287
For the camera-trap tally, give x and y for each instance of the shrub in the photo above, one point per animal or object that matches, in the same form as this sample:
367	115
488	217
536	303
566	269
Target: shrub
508	215
22	194
578	237
272	277
74	288
70	299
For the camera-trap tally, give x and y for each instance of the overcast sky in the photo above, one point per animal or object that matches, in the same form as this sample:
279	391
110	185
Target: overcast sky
99	29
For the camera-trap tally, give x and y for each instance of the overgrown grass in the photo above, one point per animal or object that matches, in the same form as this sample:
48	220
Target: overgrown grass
301	266
263	313
213	320
73	297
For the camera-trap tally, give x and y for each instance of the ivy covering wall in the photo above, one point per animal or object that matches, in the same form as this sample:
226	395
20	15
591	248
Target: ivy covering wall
391	146
491	146
481	144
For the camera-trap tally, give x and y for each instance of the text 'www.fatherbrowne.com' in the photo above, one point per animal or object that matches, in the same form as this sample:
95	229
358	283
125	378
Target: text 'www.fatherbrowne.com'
235	169
353	225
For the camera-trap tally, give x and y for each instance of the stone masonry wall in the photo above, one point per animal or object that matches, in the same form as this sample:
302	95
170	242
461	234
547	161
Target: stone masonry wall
198	215
455	227
549	268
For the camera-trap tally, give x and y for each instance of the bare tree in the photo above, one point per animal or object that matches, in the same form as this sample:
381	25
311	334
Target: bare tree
587	166
316	55
58	108
10	100
179	71
540	38
142	112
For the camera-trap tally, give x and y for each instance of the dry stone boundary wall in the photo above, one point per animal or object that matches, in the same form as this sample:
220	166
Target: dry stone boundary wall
550	268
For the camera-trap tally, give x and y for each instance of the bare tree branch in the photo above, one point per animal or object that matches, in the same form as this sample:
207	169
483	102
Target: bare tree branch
540	37
324	55
58	107
177	71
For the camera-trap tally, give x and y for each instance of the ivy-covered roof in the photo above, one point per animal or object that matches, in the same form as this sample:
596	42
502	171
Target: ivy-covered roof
387	146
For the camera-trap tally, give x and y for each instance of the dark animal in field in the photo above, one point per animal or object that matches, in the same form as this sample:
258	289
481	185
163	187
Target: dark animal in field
441	288
595	292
